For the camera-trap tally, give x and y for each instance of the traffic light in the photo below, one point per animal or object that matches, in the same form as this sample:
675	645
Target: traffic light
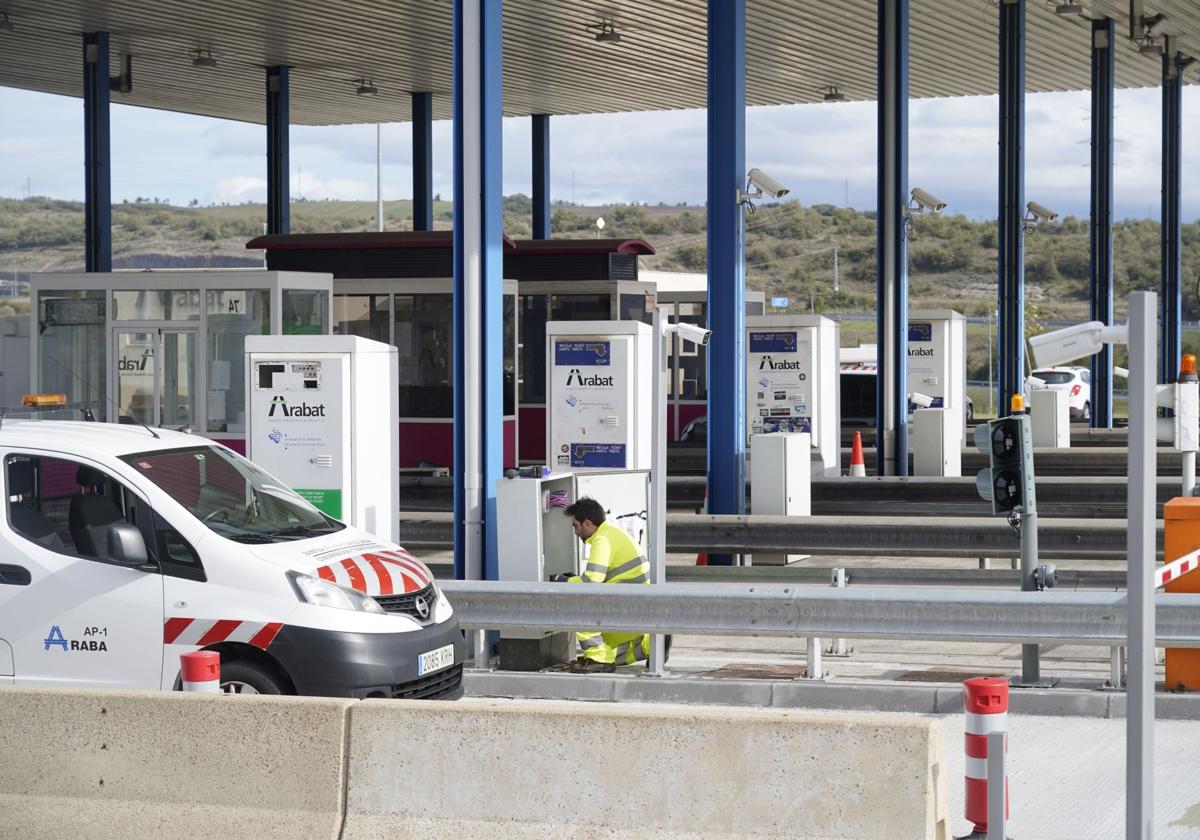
1009	482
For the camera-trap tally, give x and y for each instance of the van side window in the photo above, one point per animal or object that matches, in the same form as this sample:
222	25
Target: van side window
64	505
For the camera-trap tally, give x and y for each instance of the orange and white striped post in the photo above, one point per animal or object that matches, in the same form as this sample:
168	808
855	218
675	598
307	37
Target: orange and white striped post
200	670
985	701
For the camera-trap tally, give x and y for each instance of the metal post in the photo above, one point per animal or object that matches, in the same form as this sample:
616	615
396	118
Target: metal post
97	154
1103	75
675	347
658	484
278	193
814	670
378	176
1189	473
478	305
1030	666
891	417
726	262
835	270
1139	722
1011	265
1172	252
838	647
541	176
997	787
422	160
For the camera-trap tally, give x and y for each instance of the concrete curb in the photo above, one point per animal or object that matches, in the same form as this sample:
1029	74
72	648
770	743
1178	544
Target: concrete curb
881	696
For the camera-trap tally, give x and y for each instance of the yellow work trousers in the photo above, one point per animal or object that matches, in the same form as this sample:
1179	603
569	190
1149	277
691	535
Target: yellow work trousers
614	648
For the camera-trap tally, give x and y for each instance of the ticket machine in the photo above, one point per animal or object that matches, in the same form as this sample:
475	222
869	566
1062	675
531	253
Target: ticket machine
599	375
792	382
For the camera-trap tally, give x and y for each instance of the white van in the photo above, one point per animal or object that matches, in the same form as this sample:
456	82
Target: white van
122	548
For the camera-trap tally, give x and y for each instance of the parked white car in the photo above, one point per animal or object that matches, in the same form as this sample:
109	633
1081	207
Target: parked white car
1076	381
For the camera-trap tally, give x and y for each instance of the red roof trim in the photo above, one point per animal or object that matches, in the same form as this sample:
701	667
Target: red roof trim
584	246
386	239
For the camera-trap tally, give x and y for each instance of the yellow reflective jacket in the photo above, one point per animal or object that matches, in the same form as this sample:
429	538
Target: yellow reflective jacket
613	557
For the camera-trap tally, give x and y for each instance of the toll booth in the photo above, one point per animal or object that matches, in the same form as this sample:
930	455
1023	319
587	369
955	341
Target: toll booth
568	280
683	298
398	288
792	382
937	360
166	348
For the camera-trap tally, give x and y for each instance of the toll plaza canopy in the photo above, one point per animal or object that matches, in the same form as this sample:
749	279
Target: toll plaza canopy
559	58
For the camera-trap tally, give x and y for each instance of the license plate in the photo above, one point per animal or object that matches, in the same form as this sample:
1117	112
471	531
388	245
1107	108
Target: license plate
435	660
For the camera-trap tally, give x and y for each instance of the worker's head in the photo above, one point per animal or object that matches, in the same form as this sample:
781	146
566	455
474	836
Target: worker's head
586	516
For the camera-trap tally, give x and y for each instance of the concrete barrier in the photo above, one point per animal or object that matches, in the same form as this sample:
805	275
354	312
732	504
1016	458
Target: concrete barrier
533	769
113	764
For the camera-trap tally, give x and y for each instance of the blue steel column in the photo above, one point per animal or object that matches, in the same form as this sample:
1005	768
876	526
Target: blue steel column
97	159
422	160
541	176
1172	253
478	285
891	381
279	219
726	261
1103	76
1011	235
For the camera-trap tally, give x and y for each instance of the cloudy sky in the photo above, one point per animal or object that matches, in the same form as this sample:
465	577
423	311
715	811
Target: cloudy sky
825	153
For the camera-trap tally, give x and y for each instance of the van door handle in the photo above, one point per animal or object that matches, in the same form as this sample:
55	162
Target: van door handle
14	575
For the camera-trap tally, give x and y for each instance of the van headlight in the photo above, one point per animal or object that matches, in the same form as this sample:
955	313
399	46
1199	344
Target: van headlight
322	593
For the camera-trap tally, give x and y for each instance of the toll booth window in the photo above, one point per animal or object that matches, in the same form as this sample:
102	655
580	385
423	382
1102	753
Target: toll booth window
367	316
233	314
535	312
71	346
156	305
423	333
692	379
635	308
64	505
305	312
510	355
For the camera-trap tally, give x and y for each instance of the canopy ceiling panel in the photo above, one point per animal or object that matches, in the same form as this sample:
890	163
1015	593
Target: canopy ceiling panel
553	62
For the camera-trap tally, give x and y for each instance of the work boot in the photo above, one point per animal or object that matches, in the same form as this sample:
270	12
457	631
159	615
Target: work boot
591	666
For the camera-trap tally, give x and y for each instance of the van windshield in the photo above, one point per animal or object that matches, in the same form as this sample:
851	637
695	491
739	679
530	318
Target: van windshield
231	495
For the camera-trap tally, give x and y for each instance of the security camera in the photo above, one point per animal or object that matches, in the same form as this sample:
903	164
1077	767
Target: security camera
1075	342
689	332
1040	212
927	202
765	184
921	400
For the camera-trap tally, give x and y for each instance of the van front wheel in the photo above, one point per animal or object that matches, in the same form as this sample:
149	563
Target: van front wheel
243	677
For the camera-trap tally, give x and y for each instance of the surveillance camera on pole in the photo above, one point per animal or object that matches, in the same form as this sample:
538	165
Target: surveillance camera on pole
927	201
758	184
688	332
1037	214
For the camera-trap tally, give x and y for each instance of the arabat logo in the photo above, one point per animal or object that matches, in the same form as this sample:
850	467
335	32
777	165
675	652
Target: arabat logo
574	377
136	364
920	351
768	362
298	410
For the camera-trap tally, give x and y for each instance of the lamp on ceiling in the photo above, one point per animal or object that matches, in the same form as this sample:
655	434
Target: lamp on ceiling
1068	9
830	93
203	58
365	87
6	25
606	31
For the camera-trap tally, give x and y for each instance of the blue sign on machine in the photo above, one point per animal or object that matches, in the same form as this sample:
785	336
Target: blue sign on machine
920	332
779	303
582	353
772	342
598	455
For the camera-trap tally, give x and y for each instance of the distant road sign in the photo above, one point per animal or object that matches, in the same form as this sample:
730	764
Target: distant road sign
779	303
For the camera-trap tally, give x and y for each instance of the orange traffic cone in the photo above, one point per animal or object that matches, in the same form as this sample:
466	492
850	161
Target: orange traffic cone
702	557
858	467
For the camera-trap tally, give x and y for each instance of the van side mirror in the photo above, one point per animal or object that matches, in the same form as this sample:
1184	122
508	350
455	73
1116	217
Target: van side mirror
126	546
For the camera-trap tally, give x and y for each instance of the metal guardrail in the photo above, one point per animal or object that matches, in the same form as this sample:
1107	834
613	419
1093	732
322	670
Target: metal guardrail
917	536
1091	618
